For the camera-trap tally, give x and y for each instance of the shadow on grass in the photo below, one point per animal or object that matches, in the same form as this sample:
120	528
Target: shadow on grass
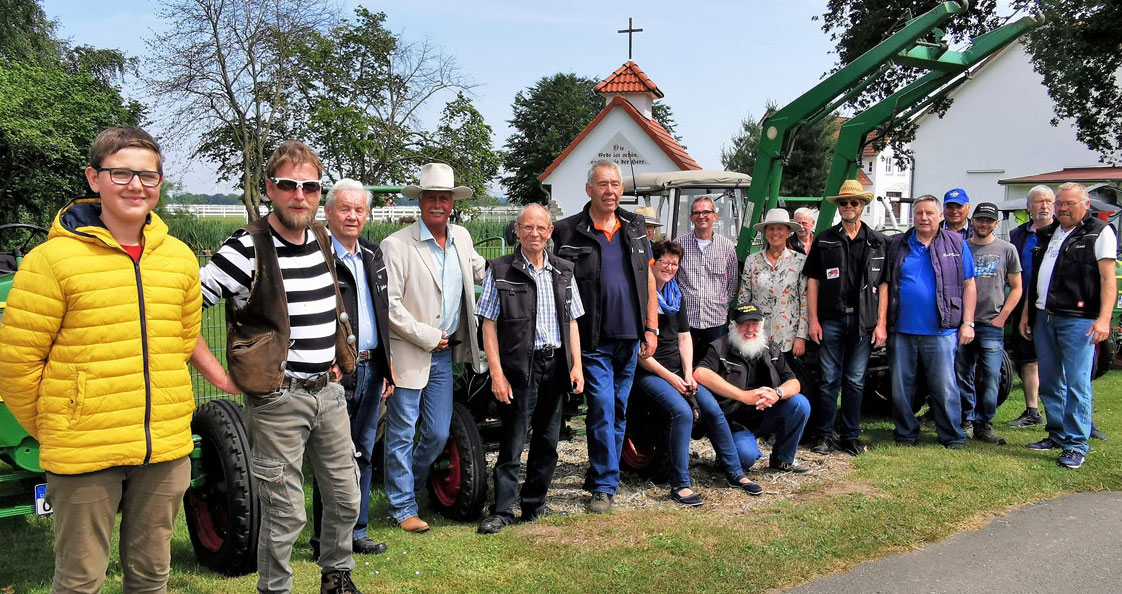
27	552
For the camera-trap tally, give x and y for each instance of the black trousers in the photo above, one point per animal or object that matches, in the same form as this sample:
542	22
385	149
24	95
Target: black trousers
535	410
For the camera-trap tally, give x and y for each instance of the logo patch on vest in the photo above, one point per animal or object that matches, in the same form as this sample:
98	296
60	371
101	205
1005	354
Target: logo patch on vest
1080	304
833	273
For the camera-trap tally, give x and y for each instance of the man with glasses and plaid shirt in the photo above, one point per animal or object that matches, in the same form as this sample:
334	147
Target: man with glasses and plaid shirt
707	276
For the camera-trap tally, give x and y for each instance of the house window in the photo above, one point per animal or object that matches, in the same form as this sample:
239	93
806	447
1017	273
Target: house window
869	167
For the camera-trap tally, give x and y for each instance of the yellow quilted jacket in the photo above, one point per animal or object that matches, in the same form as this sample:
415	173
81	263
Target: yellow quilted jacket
94	347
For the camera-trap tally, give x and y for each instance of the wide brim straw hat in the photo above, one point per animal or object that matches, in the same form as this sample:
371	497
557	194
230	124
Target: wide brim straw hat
851	189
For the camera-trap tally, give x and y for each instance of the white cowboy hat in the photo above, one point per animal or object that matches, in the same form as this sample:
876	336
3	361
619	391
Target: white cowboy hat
436	177
777	216
649	215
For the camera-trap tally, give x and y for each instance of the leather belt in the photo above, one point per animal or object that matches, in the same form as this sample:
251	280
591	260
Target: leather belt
365	355
310	385
547	352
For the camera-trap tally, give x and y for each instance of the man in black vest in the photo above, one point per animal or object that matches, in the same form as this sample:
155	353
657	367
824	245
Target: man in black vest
362	284
1071	298
533	362
609	251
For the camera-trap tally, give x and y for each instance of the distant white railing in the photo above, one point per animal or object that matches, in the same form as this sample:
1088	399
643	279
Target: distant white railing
382	214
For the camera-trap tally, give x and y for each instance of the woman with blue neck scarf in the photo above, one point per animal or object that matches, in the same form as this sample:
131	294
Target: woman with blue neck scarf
666	378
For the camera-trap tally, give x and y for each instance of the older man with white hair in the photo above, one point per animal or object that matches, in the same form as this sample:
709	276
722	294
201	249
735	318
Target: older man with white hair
800	240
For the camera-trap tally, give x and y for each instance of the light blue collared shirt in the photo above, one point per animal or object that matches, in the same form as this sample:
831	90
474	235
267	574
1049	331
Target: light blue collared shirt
447	264
367	327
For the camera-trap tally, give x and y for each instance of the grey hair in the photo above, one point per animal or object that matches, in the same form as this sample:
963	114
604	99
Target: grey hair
1041	190
347	185
533	206
928	198
1077	187
806	210
604	163
706	198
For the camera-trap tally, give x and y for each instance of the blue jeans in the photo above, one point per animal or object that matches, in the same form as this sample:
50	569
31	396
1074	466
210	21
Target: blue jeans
681	426
608	372
1065	355
844	352
786	419
362	409
407	464
979	399
937	355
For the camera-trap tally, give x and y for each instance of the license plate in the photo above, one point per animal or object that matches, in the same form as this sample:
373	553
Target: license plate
42	508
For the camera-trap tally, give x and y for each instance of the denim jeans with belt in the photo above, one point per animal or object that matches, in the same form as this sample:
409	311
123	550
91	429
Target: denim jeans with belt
608	372
979	394
534	410
681	426
281	429
1066	357
843	355
407	463
936	353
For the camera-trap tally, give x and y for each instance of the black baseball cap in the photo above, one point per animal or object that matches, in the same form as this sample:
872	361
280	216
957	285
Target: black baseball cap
747	313
987	210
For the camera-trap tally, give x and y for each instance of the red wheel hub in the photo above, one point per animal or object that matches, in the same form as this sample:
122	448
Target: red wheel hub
635	456
446	482
211	522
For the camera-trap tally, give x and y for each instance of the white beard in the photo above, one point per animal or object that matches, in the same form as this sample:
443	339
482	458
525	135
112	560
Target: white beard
749	349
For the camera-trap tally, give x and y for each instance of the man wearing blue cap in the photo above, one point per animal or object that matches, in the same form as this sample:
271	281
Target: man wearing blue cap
956	208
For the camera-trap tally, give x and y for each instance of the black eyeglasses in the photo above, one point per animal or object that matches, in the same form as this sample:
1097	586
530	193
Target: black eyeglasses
849	203
287	184
698	213
123	177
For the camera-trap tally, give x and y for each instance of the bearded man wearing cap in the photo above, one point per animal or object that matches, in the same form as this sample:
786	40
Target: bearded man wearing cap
432	268
757	390
996	266
956	211
846	307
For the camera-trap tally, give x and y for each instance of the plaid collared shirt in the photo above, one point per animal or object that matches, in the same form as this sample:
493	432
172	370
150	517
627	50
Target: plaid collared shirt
708	280
547	332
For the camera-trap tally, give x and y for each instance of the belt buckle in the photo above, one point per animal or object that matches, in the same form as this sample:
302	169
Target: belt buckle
364	355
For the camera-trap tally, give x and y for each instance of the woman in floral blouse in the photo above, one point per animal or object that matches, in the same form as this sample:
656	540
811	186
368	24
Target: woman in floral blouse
773	281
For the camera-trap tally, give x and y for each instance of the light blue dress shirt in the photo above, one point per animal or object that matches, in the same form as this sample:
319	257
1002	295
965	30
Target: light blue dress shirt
447	264
367	326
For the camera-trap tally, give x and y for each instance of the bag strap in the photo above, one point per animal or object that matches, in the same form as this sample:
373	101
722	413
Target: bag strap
329	255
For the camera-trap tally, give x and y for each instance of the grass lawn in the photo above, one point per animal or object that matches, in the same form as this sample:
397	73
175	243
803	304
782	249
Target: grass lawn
895	499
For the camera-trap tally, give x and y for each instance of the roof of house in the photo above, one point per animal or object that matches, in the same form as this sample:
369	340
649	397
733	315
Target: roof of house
863	178
1069	174
657	133
628	78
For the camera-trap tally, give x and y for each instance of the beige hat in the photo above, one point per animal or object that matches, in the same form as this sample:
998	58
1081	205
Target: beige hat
649	215
436	177
852	189
777	216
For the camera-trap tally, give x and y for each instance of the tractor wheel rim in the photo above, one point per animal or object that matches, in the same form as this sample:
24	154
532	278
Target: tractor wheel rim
446	483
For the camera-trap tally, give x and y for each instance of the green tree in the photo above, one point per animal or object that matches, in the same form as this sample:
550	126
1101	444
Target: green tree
547	117
26	35
805	169
463	140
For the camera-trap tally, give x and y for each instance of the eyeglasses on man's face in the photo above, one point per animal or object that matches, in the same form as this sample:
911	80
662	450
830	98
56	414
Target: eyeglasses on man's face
702	213
123	177
287	184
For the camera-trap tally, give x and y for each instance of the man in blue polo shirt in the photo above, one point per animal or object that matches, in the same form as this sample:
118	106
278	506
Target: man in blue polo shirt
930	312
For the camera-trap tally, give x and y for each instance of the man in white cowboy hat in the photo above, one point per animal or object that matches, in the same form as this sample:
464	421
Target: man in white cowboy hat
847	304
432	268
650	218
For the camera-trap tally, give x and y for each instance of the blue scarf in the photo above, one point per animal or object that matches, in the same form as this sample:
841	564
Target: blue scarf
669	297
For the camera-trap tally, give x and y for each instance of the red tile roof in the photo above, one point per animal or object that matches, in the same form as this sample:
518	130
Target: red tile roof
653	129
1069	174
864	179
628	78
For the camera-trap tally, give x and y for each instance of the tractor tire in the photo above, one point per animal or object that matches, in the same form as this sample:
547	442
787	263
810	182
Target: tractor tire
1005	384
645	441
222	513
457	483
1105	352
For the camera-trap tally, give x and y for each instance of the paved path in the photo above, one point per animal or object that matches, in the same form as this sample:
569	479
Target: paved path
1070	544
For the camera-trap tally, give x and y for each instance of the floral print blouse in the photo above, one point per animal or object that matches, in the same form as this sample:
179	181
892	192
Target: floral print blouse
780	292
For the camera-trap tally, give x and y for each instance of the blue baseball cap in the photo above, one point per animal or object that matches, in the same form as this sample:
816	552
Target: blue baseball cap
956	196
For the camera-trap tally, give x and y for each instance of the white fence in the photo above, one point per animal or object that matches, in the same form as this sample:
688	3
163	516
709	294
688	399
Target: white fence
383	214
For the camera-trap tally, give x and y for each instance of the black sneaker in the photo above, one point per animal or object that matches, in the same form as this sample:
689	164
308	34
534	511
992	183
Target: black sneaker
367	546
1027	419
494	523
852	447
822	445
1070	459
984	432
315	549
745	485
1095	433
1044	444
337	582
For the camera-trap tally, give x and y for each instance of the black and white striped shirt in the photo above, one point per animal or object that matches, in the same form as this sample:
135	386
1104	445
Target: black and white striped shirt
307	286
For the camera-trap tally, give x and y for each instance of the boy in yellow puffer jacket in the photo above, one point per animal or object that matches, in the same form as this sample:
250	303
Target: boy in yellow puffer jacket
100	323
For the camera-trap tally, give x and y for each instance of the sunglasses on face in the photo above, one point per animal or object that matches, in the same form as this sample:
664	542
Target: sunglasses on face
849	203
123	177
287	184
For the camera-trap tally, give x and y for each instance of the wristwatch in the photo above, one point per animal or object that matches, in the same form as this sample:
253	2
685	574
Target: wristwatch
971	324
653	331
779	393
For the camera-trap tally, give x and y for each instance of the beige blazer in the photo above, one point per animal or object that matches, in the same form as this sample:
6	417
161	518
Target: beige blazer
414	296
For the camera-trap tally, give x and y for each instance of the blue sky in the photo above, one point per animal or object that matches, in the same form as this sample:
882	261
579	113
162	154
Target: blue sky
716	61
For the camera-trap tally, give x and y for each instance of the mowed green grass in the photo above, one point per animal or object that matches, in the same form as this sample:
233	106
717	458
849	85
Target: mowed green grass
895	499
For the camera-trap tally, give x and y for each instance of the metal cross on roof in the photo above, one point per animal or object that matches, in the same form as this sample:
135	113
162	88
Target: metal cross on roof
629	30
